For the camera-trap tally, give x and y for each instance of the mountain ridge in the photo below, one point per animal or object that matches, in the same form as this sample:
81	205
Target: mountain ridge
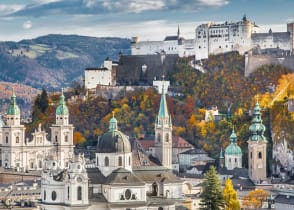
55	60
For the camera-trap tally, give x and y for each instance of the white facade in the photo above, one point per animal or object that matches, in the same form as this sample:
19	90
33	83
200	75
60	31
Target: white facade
108	162
233	161
19	153
100	76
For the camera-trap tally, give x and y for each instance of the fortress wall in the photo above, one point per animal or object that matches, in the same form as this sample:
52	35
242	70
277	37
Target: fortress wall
252	62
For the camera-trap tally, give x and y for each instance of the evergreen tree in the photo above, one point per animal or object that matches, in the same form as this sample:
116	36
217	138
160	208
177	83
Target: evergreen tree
44	101
211	196
230	196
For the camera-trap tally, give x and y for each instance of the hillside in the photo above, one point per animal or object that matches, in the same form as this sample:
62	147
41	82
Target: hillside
54	61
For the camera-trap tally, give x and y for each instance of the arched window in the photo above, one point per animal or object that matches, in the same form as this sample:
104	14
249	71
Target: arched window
17	139
56	138
251	155
229	159
259	155
53	196
68	193
129	161
167	137
106	161
79	193
44	195
32	165
6	139
119	161
158	138
66	138
235	160
40	164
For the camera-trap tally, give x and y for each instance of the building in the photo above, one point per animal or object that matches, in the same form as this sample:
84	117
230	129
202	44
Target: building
105	75
122	177
233	153
213	38
170	45
257	144
20	153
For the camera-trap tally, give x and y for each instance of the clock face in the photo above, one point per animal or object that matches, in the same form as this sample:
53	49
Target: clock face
79	179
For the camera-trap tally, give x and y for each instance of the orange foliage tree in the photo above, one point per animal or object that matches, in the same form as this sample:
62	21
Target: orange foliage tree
78	138
254	199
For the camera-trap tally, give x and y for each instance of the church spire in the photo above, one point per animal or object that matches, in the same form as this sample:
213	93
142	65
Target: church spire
163	111
113	123
257	129
178	31
62	108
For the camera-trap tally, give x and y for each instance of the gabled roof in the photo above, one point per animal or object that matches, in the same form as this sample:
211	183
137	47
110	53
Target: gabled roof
122	176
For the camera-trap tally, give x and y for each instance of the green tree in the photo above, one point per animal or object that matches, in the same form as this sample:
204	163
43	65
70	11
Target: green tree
211	196
44	101
230	196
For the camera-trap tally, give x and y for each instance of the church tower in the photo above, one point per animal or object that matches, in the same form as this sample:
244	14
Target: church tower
13	138
62	134
257	147
163	133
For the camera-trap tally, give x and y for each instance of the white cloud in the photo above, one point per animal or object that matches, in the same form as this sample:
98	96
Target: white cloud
139	6
6	9
27	25
217	3
45	1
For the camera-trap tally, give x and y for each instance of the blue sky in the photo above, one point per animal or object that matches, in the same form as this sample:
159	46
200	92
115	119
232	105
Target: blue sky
148	19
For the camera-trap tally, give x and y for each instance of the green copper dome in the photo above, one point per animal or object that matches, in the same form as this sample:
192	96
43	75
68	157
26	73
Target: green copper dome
233	148
62	108
257	129
13	108
114	141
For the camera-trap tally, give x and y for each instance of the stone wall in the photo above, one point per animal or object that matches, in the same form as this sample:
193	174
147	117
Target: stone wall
13	177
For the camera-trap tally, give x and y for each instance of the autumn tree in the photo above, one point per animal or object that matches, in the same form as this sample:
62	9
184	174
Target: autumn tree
254	199
230	196
78	138
211	196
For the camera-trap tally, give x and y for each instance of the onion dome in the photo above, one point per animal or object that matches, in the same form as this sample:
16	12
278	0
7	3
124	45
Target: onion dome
233	148
257	129
114	141
62	108
13	108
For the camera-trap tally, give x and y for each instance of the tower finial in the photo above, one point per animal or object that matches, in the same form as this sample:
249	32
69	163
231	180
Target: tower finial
113	113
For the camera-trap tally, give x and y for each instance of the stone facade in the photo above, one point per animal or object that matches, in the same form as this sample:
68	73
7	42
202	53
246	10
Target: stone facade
20	153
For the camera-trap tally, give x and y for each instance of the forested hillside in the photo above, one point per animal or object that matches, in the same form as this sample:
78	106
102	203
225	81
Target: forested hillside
223	85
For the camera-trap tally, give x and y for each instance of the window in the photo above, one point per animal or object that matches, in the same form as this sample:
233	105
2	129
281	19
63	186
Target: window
259	155
235	160
229	159
128	194
129	161
79	193
106	161
44	195
97	161
56	138
6	139
53	196
68	193
40	164
119	161
167	137
250	155
158	138
17	139
66	138
32	165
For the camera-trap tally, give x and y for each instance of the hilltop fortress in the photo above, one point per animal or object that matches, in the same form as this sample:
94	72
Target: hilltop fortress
212	38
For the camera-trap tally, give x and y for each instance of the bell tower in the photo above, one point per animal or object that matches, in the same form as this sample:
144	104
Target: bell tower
257	147
163	133
62	134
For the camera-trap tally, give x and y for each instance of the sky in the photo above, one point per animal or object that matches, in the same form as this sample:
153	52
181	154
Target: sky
147	19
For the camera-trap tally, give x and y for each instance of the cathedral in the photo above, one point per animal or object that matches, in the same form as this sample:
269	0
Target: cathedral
122	176
23	154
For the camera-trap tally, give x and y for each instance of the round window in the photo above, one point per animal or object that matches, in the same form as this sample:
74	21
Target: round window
53	195
128	194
